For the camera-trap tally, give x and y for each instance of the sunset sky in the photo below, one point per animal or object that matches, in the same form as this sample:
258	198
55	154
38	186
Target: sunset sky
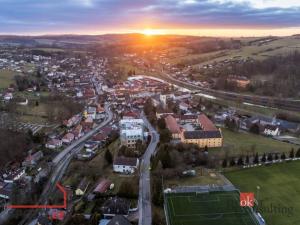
195	17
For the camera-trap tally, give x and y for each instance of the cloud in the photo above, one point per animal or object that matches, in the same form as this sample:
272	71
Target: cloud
265	3
85	3
80	15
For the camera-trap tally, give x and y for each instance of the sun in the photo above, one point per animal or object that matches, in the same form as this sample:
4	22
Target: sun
151	32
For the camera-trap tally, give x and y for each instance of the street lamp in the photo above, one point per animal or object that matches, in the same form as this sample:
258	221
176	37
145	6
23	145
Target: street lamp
258	188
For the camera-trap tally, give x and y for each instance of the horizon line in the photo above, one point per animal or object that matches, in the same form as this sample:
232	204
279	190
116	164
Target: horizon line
138	33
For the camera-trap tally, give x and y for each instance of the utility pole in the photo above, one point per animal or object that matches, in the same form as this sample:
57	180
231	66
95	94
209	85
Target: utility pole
258	188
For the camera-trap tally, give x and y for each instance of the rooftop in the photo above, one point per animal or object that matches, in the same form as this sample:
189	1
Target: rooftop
200	134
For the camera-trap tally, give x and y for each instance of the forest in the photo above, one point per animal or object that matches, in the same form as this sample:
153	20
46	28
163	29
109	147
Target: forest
281	75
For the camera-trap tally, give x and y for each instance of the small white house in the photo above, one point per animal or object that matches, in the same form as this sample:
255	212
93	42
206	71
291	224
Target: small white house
183	106
125	165
13	175
271	130
8	96
54	143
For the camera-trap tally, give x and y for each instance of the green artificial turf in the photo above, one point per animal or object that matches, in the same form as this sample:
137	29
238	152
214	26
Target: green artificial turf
213	208
279	194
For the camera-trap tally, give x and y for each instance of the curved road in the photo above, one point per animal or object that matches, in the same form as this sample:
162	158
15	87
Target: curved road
145	213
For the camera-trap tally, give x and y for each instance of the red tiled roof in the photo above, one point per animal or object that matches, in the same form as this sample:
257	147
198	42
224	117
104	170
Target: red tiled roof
102	186
172	125
130	114
206	123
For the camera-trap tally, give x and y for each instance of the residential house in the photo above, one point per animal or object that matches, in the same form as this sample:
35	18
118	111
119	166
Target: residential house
13	175
90	112
130	115
102	186
119	220
72	121
91	146
271	130
77	131
54	143
68	138
125	165
8	96
115	206
161	113
82	187
100	138
184	106
33	159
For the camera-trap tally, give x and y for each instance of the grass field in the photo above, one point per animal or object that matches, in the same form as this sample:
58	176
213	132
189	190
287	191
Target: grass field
247	143
6	78
279	188
203	177
214	208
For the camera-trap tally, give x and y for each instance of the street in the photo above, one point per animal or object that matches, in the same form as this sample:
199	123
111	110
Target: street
145	213
61	163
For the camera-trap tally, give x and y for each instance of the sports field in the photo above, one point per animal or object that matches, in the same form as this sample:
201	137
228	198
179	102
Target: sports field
213	208
279	196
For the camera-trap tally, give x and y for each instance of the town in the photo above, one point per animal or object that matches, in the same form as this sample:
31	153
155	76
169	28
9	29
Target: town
104	139
170	112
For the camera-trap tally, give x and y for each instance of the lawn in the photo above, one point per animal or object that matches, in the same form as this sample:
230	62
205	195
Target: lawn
279	197
6	78
213	208
203	177
247	143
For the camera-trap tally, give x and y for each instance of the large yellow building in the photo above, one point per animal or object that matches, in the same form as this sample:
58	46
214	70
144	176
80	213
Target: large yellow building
202	138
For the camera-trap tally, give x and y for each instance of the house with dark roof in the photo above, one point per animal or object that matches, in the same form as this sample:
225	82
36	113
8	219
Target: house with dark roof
119	220
102	186
33	159
271	130
115	206
82	187
125	165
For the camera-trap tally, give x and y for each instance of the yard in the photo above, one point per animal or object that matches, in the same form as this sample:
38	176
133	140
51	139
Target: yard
6	78
203	177
95	169
279	199
246	143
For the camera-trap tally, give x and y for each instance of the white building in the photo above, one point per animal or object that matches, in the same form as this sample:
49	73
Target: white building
125	165
271	130
8	96
131	130
54	143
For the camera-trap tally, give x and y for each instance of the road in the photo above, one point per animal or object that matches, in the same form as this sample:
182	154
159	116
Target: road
61	162
281	103
69	149
145	213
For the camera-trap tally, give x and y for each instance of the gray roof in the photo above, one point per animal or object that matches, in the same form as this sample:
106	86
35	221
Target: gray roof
119	220
200	134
